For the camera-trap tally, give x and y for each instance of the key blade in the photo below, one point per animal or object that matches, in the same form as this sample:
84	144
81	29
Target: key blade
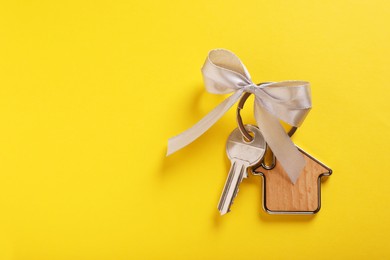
236	174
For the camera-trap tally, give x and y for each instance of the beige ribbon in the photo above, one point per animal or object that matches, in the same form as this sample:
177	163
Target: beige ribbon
289	101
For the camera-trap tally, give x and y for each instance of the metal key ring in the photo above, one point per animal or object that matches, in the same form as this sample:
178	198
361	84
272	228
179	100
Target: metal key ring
241	126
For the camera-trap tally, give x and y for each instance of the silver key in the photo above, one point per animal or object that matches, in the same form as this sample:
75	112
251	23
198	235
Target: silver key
242	155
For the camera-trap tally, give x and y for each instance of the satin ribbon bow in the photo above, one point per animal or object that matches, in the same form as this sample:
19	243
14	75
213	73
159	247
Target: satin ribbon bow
289	101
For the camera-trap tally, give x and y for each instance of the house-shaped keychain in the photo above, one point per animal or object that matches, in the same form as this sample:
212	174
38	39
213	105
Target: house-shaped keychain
280	195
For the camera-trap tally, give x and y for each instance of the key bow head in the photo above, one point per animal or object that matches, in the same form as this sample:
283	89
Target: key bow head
237	148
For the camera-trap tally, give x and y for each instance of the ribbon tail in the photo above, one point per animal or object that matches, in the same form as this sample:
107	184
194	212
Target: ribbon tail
177	142
284	149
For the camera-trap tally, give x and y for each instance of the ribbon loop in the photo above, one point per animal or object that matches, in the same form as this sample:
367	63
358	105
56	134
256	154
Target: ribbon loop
289	101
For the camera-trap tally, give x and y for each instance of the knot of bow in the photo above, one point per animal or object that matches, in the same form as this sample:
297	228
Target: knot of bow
289	101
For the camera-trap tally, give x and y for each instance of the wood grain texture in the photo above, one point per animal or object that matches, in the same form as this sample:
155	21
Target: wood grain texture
281	196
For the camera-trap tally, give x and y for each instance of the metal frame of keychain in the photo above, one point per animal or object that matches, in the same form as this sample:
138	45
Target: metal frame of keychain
279	195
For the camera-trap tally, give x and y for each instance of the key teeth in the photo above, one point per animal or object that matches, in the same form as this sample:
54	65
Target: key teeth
233	181
222	212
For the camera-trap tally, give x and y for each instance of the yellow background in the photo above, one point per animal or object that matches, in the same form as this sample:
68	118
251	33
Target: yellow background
90	91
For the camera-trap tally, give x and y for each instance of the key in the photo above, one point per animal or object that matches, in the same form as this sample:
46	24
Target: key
242	154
